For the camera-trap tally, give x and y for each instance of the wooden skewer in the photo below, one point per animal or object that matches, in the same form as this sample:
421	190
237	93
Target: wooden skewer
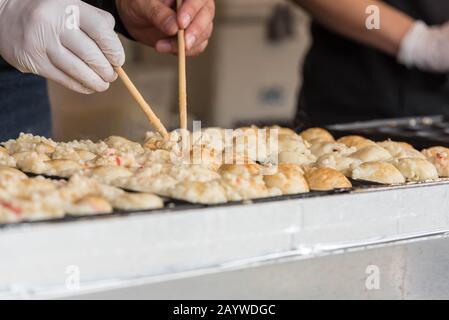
155	121
182	76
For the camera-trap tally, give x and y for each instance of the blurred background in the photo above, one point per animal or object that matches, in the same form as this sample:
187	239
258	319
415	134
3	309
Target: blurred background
250	74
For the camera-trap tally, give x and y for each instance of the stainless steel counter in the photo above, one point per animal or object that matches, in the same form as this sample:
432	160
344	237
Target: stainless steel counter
318	247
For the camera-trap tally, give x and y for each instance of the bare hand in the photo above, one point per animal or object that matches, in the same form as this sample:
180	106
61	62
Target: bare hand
156	23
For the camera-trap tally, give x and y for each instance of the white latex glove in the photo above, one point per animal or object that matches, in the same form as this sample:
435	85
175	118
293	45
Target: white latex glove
426	48
41	37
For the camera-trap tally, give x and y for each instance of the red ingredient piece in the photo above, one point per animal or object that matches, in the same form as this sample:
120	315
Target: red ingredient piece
10	207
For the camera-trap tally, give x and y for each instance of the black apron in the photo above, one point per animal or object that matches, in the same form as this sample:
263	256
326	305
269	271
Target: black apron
345	81
24	104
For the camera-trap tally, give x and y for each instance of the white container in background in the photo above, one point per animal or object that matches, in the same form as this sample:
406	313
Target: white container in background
255	79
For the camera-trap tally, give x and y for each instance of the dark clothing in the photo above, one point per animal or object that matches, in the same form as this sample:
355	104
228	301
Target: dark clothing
24	103
3	64
345	81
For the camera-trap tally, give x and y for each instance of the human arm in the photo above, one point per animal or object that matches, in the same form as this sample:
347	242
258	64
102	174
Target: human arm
412	42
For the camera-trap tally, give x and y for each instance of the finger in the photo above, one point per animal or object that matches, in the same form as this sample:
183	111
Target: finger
171	46
198	49
53	73
166	46
161	16
71	65
87	50
189	10
170	3
207	33
98	25
109	17
149	36
200	27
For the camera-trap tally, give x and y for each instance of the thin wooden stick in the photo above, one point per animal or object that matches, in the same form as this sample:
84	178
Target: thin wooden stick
155	121
182	76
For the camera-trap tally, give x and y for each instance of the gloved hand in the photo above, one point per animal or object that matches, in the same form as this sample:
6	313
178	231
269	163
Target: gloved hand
67	41
426	48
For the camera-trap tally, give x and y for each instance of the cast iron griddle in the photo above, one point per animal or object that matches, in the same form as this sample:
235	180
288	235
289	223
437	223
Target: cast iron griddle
421	132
